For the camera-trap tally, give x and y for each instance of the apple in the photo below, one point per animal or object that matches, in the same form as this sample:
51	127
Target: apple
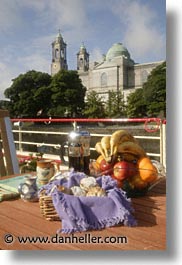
124	169
105	167
118	181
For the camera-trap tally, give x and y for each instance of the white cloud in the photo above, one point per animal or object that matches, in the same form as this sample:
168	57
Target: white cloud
142	35
71	17
69	13
35	62
9	15
33	4
57	13
96	55
142	41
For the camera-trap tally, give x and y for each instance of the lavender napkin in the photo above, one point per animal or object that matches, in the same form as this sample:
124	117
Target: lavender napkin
80	213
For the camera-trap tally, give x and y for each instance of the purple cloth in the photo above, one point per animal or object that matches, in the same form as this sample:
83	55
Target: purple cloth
87	213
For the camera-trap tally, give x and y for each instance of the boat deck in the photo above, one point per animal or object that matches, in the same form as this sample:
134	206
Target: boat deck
23	220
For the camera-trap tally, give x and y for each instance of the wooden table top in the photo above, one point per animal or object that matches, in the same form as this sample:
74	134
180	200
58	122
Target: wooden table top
22	221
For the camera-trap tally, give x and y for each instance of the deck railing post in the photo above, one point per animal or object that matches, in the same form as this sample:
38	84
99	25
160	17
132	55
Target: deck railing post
11	161
163	143
20	137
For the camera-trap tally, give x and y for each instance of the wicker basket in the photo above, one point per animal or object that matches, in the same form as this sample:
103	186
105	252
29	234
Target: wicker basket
47	208
48	211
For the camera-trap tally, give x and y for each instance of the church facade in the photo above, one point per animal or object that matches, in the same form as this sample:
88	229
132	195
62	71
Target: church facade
115	72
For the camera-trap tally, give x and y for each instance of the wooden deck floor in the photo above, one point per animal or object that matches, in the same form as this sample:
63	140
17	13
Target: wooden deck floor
23	219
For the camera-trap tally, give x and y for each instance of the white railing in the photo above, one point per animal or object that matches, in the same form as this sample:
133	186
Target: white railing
150	125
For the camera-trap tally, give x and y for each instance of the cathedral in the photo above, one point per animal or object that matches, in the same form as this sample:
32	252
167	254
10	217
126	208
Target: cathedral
117	71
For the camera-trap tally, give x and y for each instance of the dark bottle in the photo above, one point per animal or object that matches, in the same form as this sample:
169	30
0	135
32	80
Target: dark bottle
74	155
79	150
86	162
85	142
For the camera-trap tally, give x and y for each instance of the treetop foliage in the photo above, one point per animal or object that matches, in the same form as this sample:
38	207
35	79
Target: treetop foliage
35	91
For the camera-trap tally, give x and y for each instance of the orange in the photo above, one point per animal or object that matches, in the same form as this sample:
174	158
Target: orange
147	170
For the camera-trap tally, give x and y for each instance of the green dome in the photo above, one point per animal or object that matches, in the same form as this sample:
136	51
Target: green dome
117	49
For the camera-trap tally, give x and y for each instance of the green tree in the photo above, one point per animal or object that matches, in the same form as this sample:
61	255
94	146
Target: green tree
67	94
94	107
25	94
115	105
3	104
150	100
136	104
155	91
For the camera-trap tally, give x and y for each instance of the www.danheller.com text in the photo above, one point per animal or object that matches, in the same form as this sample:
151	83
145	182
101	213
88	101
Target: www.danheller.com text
66	239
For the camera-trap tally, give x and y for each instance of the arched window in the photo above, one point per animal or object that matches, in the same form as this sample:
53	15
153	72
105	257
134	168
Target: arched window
81	62
57	53
144	76
62	53
103	79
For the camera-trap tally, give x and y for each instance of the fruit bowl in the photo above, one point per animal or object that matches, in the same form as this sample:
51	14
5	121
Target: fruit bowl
135	178
124	159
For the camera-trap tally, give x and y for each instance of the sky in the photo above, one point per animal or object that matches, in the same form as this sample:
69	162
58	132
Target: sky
27	29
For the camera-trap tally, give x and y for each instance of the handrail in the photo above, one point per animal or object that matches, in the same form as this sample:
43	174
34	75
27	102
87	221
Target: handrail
92	134
87	120
159	125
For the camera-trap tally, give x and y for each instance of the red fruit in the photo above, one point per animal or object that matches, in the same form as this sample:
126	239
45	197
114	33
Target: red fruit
124	169
106	167
119	182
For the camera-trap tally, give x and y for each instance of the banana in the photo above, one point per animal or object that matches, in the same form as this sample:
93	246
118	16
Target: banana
131	148
118	137
105	143
99	149
121	143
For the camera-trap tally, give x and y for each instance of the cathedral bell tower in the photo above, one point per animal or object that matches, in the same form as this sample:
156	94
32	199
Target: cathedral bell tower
59	60
82	59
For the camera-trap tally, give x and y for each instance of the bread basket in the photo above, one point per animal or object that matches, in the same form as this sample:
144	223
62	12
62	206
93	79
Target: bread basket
47	208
